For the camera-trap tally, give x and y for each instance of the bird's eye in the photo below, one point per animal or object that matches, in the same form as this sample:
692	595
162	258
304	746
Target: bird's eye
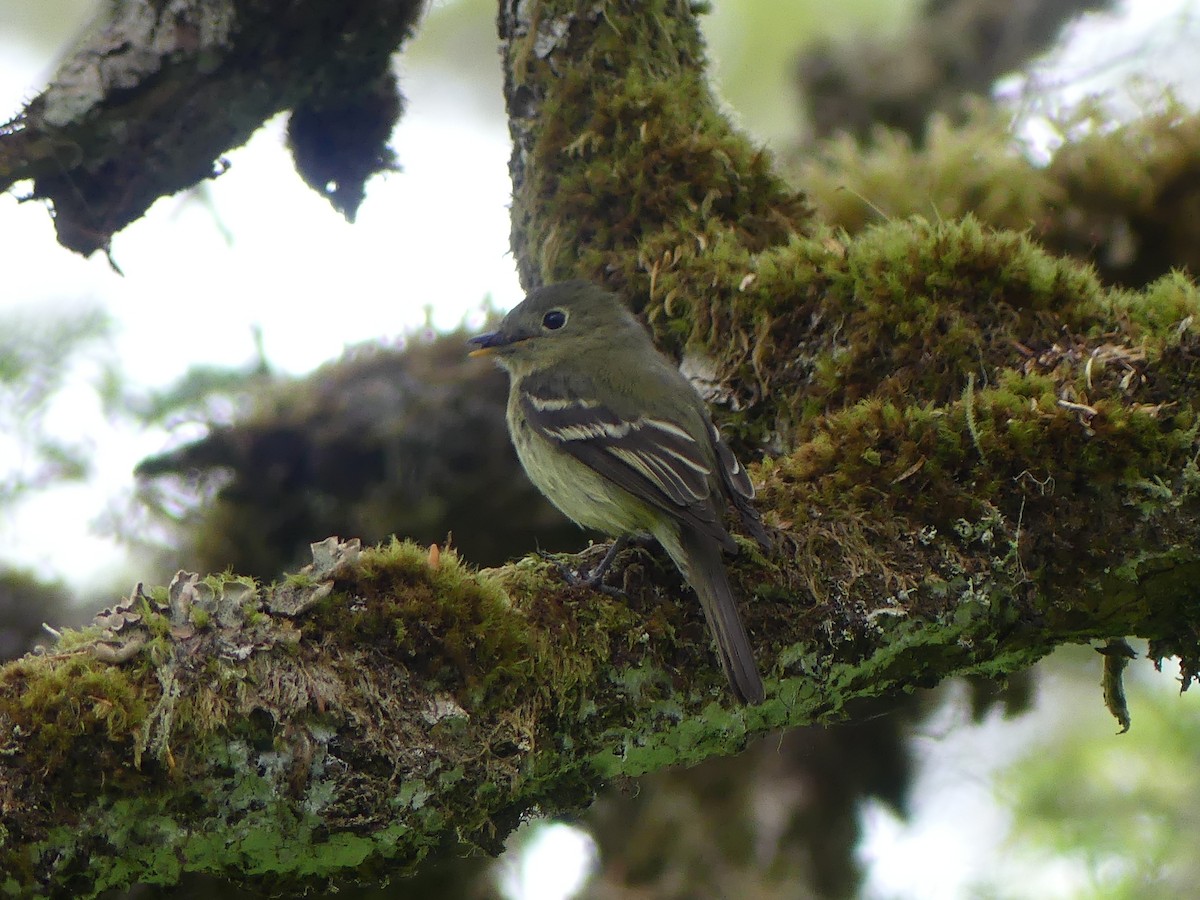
554	320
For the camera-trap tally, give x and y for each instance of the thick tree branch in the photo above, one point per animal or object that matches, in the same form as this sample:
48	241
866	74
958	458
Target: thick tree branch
971	451
156	92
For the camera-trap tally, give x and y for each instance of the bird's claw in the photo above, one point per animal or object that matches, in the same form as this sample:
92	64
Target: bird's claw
594	579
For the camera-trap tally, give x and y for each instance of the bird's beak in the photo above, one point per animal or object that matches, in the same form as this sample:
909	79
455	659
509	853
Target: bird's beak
486	344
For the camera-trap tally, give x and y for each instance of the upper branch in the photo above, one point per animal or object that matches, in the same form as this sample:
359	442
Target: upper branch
153	95
619	144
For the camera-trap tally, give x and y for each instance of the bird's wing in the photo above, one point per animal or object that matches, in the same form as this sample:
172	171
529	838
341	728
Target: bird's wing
732	473
739	489
652	458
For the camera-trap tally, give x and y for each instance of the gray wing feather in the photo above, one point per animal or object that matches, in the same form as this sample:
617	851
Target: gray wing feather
735	476
740	490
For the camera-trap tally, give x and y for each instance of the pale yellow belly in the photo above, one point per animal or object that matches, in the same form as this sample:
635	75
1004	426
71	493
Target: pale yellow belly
582	495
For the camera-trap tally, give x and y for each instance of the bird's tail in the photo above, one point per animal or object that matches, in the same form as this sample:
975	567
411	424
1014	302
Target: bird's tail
698	557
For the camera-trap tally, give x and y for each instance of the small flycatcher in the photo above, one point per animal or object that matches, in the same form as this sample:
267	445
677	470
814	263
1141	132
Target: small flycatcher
611	432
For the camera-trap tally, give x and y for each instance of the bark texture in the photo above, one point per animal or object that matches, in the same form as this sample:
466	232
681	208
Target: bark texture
155	92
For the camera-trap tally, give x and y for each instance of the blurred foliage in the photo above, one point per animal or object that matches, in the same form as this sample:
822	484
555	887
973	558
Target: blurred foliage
780	819
36	353
40	358
755	44
453	37
205	394
1119	812
950	50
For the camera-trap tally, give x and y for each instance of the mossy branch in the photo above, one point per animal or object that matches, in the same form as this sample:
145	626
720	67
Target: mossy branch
154	93
904	385
391	701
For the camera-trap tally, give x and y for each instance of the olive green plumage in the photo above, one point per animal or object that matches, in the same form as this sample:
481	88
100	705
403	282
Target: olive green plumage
611	432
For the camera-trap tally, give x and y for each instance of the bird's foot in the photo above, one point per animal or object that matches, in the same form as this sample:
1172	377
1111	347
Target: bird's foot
593	579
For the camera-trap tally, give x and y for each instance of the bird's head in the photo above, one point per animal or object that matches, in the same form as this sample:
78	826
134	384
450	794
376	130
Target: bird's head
556	323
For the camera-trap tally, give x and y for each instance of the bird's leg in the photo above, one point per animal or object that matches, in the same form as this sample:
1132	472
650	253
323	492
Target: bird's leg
595	578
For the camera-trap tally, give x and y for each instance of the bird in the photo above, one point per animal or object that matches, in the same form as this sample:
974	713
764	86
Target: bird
614	435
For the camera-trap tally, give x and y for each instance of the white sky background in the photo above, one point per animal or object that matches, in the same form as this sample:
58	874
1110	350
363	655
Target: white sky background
435	235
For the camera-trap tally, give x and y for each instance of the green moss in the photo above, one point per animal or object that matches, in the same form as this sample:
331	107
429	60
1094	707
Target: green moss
299	580
445	623
1159	310
70	639
1109	195
57	701
155	621
976	446
632	149
241	823
973	168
